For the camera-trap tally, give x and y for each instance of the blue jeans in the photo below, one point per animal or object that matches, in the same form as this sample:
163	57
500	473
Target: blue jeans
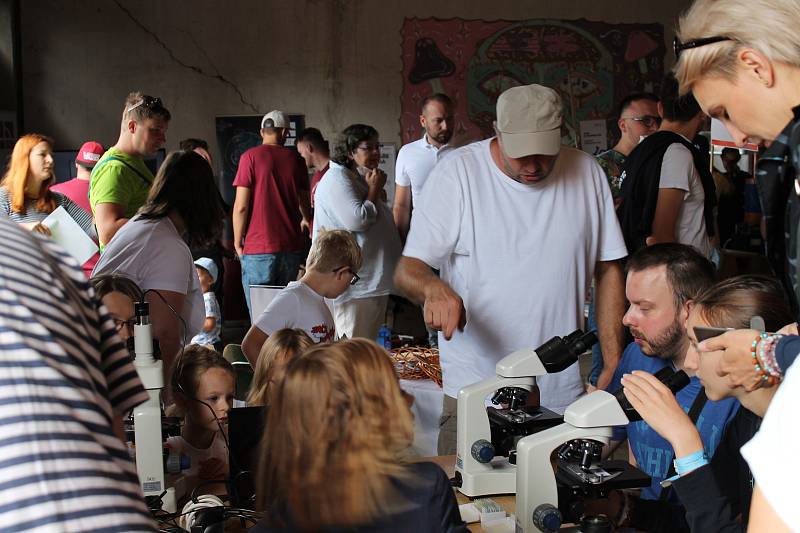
597	354
268	269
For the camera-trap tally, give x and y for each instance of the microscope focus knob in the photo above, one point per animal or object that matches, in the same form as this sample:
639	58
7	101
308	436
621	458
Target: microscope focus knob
482	451
547	518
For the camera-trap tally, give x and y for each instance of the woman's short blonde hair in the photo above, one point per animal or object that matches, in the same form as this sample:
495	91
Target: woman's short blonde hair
334	433
769	26
334	249
281	347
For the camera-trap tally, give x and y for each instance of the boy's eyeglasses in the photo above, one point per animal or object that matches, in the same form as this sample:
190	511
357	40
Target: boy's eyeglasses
355	277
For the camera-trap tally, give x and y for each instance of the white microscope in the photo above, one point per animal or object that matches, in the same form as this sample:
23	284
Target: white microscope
487	436
147	419
546	499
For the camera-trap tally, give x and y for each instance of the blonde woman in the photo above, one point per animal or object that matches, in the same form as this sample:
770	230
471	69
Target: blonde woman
329	459
280	348
741	59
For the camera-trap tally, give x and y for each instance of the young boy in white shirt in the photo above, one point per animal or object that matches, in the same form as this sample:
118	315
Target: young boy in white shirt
207	272
331	268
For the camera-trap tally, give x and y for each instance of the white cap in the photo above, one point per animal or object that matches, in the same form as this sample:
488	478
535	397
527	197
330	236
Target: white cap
275	119
529	121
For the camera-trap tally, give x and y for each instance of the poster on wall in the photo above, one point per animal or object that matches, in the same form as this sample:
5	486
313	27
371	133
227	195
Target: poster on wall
388	160
238	133
593	65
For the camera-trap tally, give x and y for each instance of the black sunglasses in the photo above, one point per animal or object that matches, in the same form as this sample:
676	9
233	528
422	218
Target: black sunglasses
150	102
678	46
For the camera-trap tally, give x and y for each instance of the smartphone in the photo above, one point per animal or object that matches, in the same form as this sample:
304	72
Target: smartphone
703	333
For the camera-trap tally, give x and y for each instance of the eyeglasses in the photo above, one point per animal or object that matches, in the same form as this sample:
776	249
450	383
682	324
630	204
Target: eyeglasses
370	147
649	121
678	46
355	277
149	102
120	324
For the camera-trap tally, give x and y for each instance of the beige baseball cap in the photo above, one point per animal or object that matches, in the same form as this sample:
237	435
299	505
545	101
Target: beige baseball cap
275	119
529	121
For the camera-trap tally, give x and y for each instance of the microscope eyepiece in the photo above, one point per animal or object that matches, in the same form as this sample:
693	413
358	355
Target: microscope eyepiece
559	353
142	312
674	381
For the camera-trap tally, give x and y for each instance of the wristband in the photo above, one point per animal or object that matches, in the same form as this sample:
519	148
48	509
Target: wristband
693	461
684	465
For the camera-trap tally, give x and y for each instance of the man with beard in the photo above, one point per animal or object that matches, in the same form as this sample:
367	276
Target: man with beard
662	282
416	159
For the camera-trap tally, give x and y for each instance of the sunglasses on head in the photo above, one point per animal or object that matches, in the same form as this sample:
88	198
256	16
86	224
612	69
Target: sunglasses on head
150	102
678	46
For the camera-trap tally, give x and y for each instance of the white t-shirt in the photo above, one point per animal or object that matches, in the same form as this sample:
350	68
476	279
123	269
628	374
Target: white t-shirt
770	451
414	163
340	203
209	463
678	172
154	255
520	256
298	306
212	311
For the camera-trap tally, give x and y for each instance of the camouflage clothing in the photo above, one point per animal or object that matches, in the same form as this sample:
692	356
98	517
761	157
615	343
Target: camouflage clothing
611	161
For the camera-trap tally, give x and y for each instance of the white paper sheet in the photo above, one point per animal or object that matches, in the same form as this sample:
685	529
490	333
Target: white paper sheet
69	235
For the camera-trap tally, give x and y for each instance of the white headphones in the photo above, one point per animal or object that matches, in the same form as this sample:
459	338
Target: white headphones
204	501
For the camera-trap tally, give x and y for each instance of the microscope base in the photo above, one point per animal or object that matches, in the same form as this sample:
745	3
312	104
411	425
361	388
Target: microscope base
500	477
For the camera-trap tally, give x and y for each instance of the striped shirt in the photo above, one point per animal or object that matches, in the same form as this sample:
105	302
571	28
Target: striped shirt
64	373
33	214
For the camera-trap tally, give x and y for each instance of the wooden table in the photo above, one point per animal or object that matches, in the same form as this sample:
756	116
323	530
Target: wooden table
448	463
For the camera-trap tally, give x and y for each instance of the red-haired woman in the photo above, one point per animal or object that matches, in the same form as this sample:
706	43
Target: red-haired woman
25	195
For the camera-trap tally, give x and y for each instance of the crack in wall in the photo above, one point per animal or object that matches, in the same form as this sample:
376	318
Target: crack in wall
198	70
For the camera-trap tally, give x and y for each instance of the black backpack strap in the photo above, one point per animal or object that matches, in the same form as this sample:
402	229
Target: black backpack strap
144	178
694	412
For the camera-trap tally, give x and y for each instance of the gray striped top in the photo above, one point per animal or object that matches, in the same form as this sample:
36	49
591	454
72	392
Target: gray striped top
32	214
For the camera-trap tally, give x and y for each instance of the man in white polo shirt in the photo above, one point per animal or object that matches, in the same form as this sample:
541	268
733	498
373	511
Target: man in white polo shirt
517	224
416	159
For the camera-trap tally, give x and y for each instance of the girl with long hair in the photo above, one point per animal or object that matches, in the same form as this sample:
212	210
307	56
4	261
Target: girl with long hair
276	352
152	249
330	453
25	195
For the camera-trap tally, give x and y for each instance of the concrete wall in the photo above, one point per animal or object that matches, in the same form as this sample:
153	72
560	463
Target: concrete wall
337	61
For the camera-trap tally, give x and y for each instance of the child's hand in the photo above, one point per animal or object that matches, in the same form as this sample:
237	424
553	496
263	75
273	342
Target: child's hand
657	406
213	468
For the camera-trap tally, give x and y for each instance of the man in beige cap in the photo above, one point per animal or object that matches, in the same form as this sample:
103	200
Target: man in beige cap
517	224
271	209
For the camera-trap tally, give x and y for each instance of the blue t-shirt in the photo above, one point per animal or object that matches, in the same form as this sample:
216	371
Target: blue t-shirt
653	452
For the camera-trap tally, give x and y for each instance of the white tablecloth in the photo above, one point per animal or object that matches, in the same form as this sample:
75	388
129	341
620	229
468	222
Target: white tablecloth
427	409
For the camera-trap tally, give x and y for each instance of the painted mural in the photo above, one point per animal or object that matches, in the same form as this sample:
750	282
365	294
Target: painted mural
593	65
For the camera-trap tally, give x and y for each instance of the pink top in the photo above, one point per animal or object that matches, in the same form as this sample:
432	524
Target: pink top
78	191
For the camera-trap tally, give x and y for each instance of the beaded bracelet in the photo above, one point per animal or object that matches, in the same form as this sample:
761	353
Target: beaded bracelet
767	358
764	362
763	376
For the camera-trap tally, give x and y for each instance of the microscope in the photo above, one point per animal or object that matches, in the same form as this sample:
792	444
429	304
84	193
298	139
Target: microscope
546	499
487	437
147	420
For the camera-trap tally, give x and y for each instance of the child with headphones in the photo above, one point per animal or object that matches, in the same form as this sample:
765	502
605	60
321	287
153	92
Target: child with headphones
203	384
